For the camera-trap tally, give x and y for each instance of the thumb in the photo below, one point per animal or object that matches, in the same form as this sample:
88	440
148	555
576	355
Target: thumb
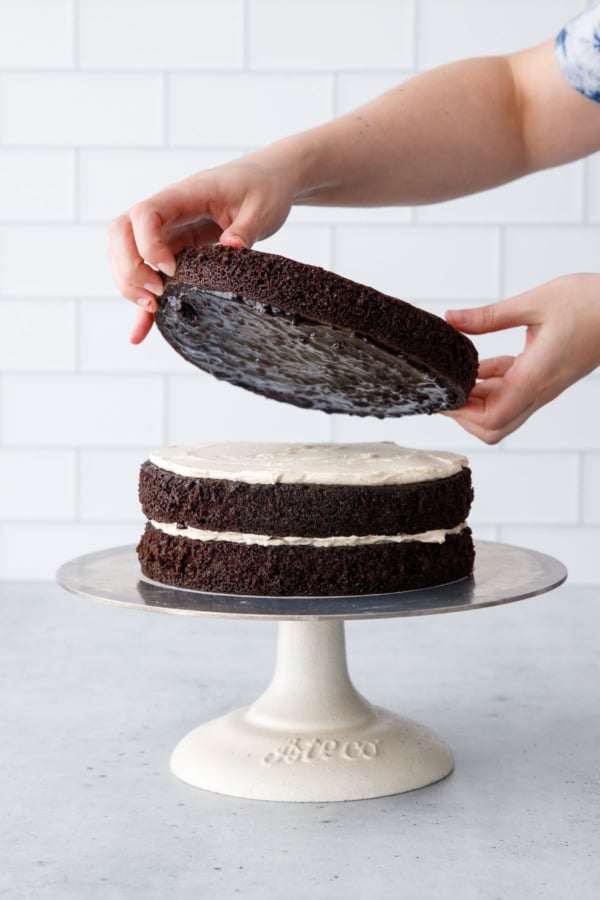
231	237
493	317
243	231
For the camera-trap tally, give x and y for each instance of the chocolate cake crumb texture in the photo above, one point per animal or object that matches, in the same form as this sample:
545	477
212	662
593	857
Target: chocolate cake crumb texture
311	510
227	568
300	334
286	524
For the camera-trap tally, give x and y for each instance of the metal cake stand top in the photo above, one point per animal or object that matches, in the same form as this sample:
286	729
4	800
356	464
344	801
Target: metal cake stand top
502	574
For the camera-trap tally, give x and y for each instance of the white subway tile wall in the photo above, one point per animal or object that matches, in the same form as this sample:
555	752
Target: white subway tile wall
54	260
338	34
249	108
37	34
98	109
422	261
461	28
113	180
202	409
66	109
37	185
134	34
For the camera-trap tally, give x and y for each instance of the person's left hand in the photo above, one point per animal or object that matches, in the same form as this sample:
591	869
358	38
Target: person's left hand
562	345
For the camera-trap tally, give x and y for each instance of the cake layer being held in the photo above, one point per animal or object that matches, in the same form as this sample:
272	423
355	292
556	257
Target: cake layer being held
302	335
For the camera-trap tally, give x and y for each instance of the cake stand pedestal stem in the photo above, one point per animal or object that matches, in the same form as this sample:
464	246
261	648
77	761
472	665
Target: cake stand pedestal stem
311	736
311	688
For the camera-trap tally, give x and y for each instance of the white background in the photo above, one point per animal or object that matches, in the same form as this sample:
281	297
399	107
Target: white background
103	102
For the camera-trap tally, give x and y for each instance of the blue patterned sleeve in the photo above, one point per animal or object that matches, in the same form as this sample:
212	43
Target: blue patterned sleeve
577	50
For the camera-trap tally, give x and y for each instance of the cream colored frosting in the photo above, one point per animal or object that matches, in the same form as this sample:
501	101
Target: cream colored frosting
265	540
382	462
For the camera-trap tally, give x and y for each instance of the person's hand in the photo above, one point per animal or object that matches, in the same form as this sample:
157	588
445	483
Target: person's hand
237	204
562	344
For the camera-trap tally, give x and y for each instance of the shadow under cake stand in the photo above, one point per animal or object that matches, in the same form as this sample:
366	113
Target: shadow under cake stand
311	736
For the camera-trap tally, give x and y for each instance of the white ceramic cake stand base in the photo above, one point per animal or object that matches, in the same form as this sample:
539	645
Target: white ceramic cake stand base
311	736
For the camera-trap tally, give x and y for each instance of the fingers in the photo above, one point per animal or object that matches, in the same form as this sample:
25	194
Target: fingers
485	434
497	366
136	280
501	400
237	206
495	408
484	388
137	246
145	239
559	334
230	239
146	224
142	326
495	317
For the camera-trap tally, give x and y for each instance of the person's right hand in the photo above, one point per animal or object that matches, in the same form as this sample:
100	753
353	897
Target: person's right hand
562	345
237	204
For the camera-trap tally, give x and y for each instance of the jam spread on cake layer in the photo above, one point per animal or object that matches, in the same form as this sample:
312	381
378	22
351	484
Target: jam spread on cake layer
288	357
306	336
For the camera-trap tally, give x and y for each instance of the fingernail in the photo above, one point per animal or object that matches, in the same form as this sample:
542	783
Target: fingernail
145	303
168	268
235	241
458	316
154	289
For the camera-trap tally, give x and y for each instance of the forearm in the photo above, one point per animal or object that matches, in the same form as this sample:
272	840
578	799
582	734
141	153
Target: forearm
452	131
455	130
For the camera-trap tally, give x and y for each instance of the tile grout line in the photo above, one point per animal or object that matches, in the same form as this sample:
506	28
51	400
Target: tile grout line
447	226
581	482
210	71
78	486
77	370
165	97
245	36
502	287
68	520
416	34
585	198
502	261
164	408
76	36
77	186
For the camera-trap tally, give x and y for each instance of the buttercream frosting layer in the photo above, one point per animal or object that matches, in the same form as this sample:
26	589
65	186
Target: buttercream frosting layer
375	463
437	536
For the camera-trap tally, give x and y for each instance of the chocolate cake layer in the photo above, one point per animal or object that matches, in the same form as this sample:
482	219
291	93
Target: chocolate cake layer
313	510
228	568
309	337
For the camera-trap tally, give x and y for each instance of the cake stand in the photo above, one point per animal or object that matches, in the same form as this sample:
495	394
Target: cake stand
311	736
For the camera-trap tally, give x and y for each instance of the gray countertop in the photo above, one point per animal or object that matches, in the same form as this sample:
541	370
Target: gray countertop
94	698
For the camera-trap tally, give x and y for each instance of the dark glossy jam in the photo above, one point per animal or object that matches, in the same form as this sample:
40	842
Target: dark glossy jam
292	359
